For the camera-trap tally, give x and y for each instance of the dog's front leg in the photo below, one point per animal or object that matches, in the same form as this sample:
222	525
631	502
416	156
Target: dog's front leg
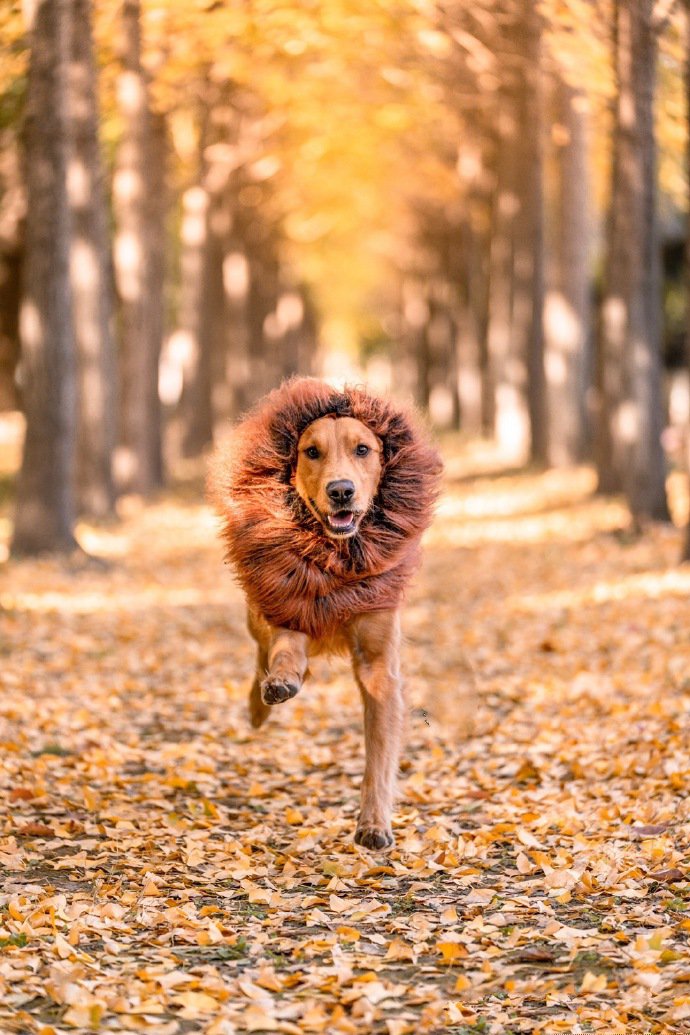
287	666
281	666
375	645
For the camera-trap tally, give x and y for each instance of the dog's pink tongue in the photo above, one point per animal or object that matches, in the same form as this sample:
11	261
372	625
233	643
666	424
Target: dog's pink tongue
340	520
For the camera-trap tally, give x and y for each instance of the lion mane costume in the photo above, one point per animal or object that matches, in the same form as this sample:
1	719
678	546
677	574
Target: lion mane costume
291	571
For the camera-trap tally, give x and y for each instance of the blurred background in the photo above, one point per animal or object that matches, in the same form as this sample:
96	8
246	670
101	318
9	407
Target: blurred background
482	207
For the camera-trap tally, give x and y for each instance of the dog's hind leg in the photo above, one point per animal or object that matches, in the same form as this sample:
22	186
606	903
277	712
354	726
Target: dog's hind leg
375	646
258	711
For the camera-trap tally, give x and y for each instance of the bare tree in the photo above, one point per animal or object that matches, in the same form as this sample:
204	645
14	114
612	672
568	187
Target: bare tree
568	321
632	455
91	279
138	264
45	510
685	556
12	215
516	265
528	303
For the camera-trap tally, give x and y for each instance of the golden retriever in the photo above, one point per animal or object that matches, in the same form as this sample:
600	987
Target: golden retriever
325	496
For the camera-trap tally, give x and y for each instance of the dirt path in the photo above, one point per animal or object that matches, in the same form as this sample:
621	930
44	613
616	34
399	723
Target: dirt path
167	870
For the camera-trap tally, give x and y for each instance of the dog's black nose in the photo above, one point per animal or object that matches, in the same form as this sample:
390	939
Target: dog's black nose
340	493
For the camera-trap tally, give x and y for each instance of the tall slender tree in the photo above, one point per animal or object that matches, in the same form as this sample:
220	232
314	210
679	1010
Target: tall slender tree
137	265
45	511
12	214
685	555
631	455
91	270
568	322
528	304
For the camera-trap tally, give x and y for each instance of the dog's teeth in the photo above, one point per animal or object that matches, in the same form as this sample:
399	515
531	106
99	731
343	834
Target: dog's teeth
342	520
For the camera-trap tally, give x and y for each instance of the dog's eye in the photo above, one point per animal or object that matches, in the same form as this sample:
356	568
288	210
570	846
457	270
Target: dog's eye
362	450
312	452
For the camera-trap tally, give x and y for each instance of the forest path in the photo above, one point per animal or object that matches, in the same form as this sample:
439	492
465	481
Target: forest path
169	870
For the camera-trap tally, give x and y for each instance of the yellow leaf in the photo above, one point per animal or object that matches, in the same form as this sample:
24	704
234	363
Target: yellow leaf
451	951
63	947
294	817
462	983
399	950
195	1003
341	905
257	1018
86	1016
449	915
593	982
269	979
525	838
14	910
92	799
349	934
523	863
396	1027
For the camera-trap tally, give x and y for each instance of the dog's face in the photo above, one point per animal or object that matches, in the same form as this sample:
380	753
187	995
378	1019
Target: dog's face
338	472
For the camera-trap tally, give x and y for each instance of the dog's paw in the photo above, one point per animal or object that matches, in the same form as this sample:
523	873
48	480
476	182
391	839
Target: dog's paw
374	838
275	691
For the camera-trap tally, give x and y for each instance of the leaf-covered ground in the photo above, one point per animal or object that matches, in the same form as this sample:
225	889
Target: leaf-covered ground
167	870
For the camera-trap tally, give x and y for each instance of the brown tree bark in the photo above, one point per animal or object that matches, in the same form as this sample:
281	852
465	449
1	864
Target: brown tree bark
568	323
12	215
507	361
195	402
632	456
475	394
45	510
685	555
205	231
157	211
528	300
91	278
137	199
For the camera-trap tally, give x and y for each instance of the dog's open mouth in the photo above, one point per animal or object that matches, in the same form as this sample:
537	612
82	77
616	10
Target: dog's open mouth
342	522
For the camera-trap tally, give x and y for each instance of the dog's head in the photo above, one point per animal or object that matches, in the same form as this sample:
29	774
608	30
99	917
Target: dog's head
338	472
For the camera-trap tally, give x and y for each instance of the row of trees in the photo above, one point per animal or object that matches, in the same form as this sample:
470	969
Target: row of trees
504	281
92	306
443	182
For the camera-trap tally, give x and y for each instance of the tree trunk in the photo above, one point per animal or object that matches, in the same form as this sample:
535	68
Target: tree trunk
507	361
631	312
195	402
685	556
528	301
472	389
12	216
157	211
568	307
91	279
209	391
138	266
261	301
45	491
481	293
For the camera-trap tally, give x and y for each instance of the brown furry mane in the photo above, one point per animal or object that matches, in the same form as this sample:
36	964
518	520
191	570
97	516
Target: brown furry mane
292	573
